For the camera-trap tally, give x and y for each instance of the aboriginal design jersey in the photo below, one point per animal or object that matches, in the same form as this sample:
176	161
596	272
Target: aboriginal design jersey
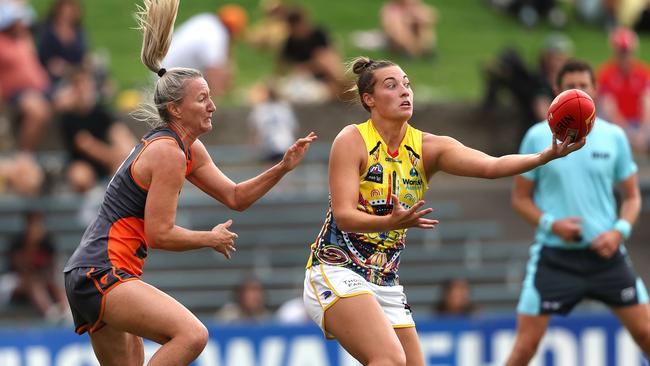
375	256
116	237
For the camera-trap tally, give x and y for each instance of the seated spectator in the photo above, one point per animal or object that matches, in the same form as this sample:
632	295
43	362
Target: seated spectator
204	42
249	305
270	32
32	258
409	26
624	89
273	123
61	39
96	142
530	89
24	84
455	299
308	50
21	174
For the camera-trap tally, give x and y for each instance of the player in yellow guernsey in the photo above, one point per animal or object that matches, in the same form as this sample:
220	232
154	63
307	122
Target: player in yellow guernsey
378	174
375	256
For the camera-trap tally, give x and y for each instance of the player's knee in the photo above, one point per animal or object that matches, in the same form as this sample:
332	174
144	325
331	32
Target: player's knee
393	358
196	338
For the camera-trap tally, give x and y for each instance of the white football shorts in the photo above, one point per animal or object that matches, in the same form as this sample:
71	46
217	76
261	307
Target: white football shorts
325	284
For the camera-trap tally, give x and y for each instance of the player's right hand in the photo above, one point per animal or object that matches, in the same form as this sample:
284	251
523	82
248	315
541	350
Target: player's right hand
402	218
562	149
568	229
224	239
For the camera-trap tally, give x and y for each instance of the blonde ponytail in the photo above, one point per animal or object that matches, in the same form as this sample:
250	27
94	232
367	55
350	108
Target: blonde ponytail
156	20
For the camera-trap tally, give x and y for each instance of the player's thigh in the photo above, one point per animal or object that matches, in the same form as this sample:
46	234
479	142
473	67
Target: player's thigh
635	318
117	348
139	308
408	337
362	328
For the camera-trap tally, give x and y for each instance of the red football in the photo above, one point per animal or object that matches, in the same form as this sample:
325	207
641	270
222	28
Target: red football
571	115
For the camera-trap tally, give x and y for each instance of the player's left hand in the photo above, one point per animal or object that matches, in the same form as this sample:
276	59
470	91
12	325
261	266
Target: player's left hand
607	243
297	151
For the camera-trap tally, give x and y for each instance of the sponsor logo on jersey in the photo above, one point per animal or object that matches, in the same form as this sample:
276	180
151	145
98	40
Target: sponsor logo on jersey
377	192
375	173
326	294
412	184
393	160
600	155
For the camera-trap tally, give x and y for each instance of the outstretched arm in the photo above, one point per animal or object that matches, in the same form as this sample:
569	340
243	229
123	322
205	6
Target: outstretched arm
347	160
239	196
449	155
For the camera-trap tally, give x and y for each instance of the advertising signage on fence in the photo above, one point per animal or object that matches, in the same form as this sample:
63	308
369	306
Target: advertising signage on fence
596	340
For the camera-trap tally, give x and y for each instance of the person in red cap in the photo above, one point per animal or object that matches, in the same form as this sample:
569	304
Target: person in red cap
624	89
204	42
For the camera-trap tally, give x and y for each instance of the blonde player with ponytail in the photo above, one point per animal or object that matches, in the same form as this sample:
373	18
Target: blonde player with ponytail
102	278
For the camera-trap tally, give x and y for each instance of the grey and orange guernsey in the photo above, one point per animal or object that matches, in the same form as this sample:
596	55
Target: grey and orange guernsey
376	256
114	247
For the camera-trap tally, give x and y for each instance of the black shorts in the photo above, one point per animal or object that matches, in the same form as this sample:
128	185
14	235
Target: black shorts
558	279
86	289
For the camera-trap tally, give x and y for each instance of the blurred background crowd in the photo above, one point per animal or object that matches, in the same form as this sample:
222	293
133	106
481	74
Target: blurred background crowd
69	75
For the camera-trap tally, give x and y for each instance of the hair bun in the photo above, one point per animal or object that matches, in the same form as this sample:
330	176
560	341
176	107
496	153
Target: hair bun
361	64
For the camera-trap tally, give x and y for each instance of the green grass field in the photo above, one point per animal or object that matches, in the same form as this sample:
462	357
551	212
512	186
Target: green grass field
469	33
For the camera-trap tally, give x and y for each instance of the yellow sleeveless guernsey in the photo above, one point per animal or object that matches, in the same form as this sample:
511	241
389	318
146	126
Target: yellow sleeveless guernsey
375	256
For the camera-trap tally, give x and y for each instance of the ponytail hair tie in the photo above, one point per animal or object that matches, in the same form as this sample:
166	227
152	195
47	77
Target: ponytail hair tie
162	72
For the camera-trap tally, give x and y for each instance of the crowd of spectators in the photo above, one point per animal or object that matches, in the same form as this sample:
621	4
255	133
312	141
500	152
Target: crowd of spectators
51	86
623	83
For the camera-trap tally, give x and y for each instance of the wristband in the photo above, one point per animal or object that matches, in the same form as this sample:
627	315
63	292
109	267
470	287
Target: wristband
546	223
623	227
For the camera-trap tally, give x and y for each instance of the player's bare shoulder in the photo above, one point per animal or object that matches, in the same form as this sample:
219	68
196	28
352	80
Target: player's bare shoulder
433	146
349	148
348	133
163	154
350	140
